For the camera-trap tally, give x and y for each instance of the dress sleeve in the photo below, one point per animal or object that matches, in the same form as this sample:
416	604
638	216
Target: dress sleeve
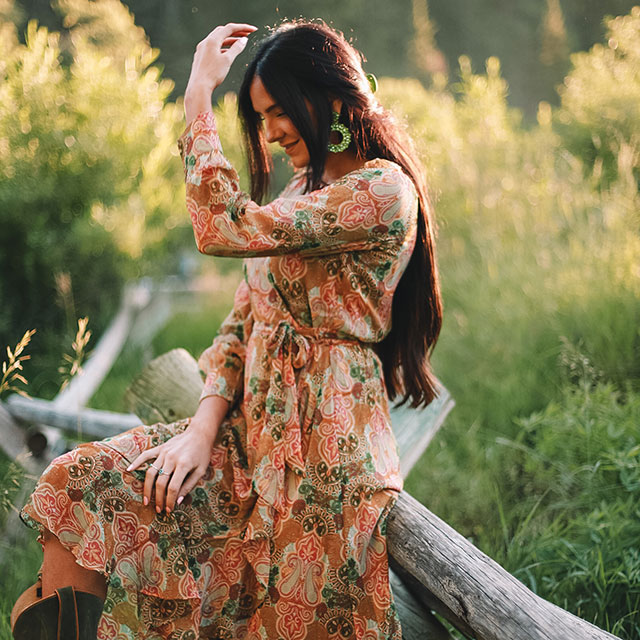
223	361
366	209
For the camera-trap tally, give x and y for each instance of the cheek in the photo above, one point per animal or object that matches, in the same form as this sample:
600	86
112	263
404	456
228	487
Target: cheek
302	157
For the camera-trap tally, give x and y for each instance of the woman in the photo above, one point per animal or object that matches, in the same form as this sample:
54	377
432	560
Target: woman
263	516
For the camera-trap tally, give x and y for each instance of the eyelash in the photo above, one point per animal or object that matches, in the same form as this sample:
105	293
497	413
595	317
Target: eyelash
282	114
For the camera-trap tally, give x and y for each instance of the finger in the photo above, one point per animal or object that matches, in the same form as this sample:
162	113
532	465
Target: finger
236	48
190	483
232	29
229	41
149	480
173	490
143	457
162	480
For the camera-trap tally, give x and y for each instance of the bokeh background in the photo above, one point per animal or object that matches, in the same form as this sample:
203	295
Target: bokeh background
526	115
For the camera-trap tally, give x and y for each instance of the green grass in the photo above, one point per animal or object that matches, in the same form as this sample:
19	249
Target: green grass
25	557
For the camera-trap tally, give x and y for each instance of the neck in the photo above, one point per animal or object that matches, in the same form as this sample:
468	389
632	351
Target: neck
339	164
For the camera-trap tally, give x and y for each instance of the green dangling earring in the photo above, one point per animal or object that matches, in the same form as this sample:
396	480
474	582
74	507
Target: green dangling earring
343	131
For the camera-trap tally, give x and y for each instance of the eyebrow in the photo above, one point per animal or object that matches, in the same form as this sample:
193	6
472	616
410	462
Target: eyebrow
271	108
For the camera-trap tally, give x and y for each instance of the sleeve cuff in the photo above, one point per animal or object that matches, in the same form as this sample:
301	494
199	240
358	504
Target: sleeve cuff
200	148
216	385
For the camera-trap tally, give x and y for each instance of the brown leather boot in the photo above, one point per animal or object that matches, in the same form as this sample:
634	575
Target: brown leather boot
66	615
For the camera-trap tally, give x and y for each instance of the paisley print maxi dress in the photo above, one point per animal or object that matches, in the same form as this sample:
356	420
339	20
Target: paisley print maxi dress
284	537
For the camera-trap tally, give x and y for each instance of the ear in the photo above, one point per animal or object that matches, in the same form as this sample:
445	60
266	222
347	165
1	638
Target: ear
336	105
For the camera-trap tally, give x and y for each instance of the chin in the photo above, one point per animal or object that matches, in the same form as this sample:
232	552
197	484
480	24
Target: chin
300	159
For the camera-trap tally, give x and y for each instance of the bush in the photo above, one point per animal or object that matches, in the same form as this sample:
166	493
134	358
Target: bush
575	538
600	115
89	166
529	254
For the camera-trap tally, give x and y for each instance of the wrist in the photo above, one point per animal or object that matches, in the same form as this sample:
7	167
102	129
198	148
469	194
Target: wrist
197	99
208	417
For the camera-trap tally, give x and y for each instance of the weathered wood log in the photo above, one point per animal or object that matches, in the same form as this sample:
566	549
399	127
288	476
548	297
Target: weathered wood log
417	622
82	386
427	599
414	429
168	389
80	423
13	441
490	601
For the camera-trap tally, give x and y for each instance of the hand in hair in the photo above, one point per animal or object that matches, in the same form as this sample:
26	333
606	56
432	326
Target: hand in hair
211	63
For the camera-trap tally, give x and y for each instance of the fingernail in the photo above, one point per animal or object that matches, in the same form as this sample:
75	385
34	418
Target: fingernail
158	509
244	41
180	499
168	510
129	467
145	501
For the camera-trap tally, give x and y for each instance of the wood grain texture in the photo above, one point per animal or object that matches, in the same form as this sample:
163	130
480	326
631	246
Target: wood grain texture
93	424
12	441
489	601
414	429
417	622
167	390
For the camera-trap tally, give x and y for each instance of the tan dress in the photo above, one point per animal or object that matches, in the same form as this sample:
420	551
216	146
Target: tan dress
284	537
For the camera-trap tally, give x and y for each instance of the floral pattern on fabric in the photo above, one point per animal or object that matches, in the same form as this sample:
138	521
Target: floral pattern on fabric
284	536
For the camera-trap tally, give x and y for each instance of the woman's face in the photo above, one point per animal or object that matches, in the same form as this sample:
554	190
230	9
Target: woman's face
277	125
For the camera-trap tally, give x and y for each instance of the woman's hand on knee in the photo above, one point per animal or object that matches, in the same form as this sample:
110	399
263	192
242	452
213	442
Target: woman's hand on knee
176	466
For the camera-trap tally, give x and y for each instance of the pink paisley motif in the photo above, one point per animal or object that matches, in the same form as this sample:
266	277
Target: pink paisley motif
301	580
93	555
293	619
128	534
358	212
366	519
49	503
107	629
292	266
309	548
232	561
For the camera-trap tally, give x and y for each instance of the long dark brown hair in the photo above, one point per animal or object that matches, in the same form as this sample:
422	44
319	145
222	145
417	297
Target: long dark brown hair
310	61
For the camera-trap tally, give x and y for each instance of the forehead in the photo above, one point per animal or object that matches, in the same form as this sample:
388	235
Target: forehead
260	98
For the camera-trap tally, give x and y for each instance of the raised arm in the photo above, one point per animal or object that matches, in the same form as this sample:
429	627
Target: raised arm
223	361
367	208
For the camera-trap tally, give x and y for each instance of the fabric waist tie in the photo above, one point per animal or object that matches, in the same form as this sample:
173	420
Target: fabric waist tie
290	347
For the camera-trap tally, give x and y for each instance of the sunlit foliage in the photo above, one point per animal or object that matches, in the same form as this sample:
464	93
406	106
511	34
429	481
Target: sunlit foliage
90	178
600	114
540	266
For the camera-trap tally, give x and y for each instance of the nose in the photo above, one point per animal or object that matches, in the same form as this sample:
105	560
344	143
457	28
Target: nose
272	131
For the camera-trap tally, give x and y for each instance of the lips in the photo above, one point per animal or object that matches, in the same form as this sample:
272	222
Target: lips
288	147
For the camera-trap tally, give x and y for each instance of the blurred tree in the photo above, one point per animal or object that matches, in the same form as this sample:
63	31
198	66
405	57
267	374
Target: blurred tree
386	33
9	12
426	57
554	52
90	174
600	115
554	36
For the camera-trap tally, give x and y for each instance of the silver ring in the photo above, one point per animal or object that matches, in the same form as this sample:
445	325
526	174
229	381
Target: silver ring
160	471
